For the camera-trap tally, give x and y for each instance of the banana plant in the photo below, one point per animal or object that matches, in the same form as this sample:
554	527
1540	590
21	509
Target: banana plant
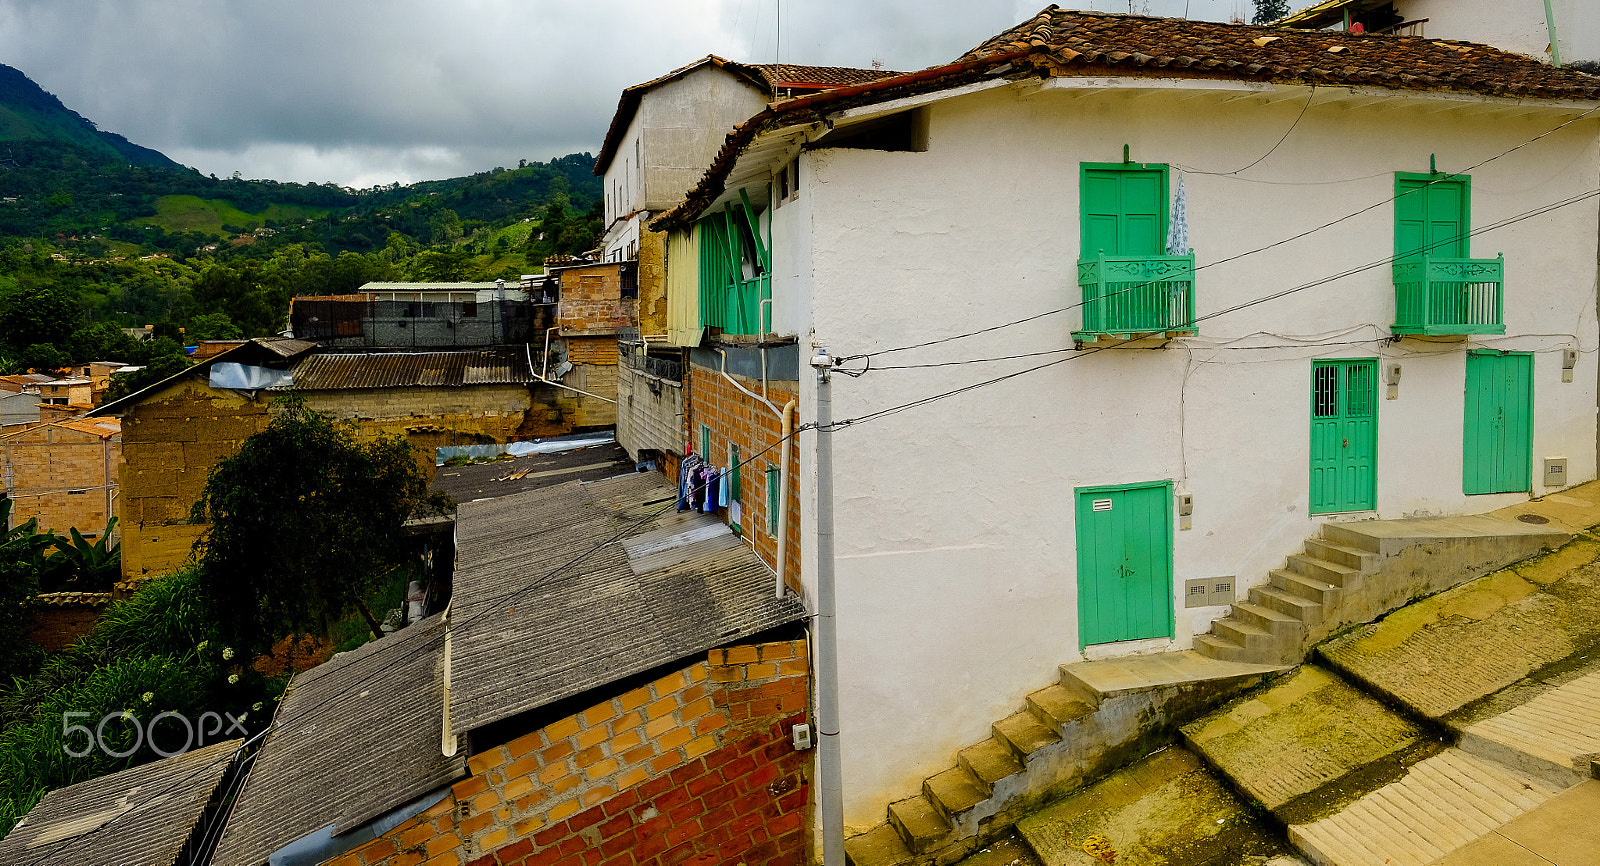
23	542
93	566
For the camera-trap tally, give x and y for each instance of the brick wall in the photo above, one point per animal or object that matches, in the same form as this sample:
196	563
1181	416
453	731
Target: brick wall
57	626
591	299
738	419
66	478
694	768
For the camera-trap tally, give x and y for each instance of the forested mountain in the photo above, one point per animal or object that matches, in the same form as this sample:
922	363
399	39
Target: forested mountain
97	233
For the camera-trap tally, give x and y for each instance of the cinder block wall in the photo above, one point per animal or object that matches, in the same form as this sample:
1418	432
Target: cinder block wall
646	419
696	767
738	419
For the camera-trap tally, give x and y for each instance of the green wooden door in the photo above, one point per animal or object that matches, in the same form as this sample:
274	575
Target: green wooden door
1344	436
1123	210
1497	452
1124	562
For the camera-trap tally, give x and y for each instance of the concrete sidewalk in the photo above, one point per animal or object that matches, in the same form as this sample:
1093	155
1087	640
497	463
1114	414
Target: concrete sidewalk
1565	831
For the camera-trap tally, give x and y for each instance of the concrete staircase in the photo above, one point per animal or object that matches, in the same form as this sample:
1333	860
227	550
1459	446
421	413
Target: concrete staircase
1352	573
1097	716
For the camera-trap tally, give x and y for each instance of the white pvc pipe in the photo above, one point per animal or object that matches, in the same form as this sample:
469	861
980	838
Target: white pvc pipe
789	409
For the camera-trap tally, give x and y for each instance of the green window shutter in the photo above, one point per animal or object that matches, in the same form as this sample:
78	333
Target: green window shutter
1431	216
705	442
773	497
733	463
1123	210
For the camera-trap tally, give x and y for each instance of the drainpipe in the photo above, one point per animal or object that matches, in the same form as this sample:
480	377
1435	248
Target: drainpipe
541	378
783	496
751	394
830	770
1555	43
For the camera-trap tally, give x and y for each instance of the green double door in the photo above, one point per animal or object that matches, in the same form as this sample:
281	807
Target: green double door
1497	446
1344	436
1124	562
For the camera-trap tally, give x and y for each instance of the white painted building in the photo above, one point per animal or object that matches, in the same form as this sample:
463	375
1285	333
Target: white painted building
1564	30
952	211
666	130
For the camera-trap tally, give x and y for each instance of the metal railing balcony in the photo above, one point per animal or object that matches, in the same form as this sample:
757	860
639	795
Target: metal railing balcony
1127	296
1434	296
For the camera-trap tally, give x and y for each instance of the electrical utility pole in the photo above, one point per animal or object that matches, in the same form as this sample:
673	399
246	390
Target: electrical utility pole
830	769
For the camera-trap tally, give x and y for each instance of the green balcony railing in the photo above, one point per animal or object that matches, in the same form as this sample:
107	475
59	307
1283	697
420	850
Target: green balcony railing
1128	295
1449	296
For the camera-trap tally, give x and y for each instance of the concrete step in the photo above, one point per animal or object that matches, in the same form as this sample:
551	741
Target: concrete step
1353	557
1351	535
1319	591
1307	732
1289	630
1250	637
1222	649
1117	677
1499	538
919	824
1023	735
1303	609
880	846
1440	805
1057	705
988	762
953	793
1549	736
1328	572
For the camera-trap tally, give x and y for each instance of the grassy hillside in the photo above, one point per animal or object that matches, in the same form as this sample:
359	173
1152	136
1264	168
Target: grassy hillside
188	213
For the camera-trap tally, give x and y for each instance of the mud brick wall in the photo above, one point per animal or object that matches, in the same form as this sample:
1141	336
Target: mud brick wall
652	259
430	418
591	299
735	418
56	627
169	444
696	767
66	478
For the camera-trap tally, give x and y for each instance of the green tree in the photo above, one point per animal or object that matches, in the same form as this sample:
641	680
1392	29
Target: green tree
212	326
305	522
158	368
37	314
1268	11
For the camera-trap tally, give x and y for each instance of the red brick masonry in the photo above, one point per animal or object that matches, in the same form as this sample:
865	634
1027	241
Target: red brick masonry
696	768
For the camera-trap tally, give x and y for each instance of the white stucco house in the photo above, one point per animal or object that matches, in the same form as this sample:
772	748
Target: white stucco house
667	129
1558	31
1105	269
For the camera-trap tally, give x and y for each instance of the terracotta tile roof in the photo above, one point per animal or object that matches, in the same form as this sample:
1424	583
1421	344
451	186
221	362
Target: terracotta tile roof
1059	42
72	599
1078	42
819	77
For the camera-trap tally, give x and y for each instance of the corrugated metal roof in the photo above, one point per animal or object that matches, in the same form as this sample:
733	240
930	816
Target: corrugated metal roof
355	737
335	371
622	583
138	817
432	287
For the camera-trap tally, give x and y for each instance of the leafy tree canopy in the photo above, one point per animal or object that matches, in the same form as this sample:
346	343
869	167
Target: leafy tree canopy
1268	11
305	521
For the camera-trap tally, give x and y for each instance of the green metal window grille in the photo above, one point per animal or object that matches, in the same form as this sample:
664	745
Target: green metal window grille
735	269
1130	285
773	495
1438	287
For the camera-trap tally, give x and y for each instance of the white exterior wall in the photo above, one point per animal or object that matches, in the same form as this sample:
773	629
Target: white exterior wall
954	521
1512	25
675	133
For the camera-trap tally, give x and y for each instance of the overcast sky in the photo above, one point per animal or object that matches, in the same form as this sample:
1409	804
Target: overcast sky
364	92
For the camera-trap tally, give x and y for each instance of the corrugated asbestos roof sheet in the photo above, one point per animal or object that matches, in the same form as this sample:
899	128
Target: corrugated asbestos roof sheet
335	371
149	813
508	477
621	583
356	737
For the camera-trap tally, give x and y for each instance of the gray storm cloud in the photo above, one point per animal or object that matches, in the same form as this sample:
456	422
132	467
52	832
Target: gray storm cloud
361	92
